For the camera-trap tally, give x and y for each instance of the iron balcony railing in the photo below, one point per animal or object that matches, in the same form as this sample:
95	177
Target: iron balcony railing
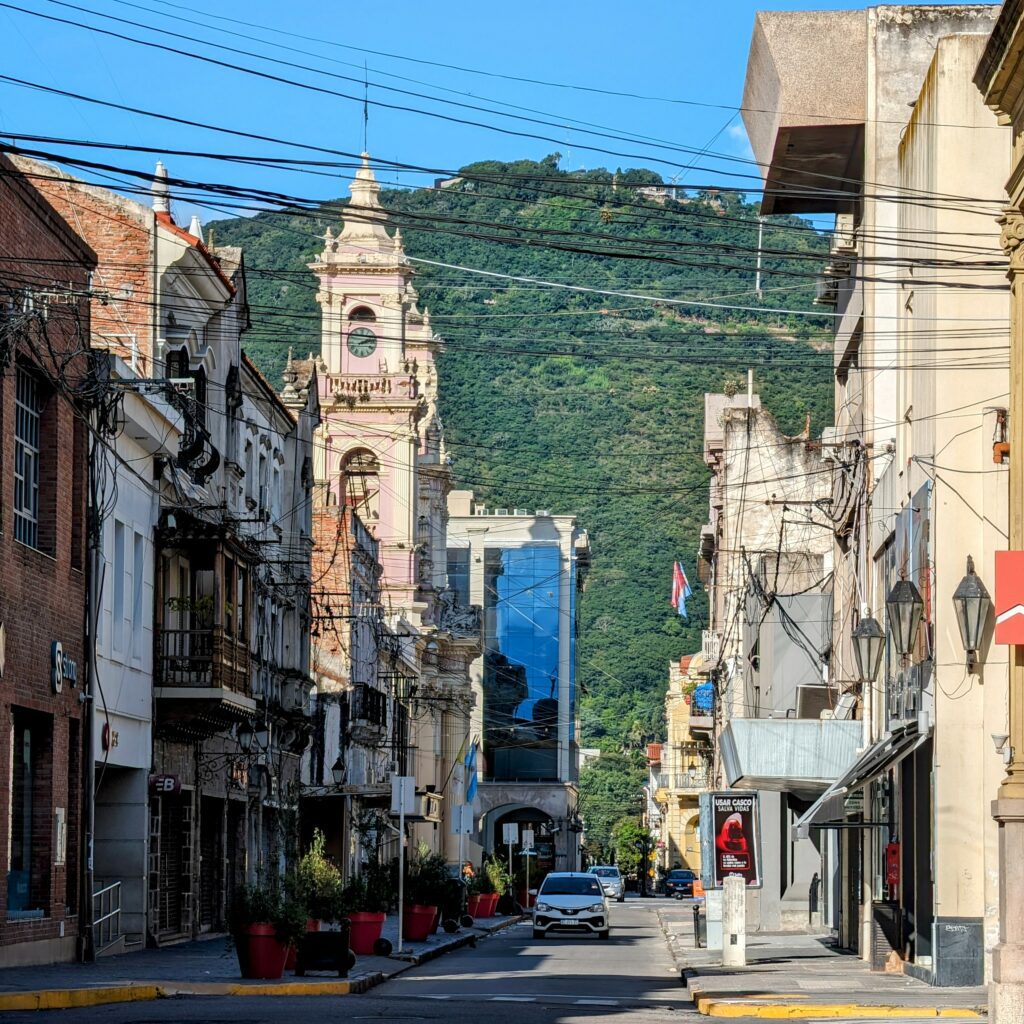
696	779
202	658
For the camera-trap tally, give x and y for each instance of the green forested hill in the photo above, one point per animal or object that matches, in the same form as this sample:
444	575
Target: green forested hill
583	402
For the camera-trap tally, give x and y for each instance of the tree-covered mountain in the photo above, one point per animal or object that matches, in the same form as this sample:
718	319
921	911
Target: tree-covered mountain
580	401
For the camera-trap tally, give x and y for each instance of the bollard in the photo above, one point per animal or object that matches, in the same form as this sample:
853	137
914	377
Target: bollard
696	926
734	922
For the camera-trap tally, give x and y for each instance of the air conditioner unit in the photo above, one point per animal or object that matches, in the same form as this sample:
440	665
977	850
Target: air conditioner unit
826	292
844	240
811	701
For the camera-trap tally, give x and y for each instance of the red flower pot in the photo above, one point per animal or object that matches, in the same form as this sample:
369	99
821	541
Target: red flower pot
473	905
525	899
418	922
491	906
260	955
365	931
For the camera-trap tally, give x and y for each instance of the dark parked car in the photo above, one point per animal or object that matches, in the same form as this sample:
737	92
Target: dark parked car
679	883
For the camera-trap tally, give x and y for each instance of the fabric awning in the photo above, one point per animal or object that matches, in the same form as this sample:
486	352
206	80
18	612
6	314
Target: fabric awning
887	752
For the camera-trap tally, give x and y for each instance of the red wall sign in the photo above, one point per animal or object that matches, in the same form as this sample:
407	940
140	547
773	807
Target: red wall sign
1009	603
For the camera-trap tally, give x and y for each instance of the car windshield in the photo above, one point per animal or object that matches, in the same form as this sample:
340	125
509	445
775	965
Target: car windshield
568	885
606	872
682	876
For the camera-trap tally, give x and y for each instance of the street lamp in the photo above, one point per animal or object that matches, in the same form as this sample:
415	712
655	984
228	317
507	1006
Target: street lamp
263	738
338	772
972	603
244	734
904	609
868	646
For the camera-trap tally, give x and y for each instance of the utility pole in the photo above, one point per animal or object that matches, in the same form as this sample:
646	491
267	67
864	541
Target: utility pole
760	239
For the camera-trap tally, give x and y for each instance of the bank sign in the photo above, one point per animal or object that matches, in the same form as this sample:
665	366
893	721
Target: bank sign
730	832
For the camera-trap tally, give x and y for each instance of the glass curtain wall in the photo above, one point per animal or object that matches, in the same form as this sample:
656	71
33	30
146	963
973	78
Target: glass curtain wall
521	616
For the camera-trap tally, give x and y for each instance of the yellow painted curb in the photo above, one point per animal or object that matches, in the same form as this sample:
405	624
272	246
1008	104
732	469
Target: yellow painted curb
75	998
719	1006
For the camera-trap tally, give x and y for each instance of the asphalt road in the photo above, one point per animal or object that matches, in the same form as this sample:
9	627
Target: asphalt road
507	979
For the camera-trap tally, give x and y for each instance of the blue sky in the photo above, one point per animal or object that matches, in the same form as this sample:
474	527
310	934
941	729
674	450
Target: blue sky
681	50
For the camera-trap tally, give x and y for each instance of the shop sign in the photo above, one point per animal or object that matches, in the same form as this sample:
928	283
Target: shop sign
63	668
164	785
732	828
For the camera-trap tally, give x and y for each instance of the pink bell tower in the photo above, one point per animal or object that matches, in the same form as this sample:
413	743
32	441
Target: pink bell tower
379	446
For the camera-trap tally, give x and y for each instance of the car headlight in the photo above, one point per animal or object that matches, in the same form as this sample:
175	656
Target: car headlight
542	907
597	908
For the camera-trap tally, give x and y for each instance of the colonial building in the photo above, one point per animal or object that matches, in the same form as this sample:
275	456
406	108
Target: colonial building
915	489
684	767
526	571
380	454
44	339
202	576
782	726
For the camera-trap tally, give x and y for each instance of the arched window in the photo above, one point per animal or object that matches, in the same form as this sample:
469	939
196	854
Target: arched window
362	314
360	484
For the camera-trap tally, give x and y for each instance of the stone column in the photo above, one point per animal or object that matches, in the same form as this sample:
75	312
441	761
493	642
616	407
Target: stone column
1006	993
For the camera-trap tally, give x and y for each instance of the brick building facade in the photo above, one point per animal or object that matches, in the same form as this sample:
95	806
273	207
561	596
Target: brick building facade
44	318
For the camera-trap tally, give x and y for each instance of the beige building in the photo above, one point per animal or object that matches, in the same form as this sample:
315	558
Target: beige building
684	769
898	141
781	725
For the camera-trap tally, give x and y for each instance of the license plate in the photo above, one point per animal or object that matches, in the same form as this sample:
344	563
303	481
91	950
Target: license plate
570	923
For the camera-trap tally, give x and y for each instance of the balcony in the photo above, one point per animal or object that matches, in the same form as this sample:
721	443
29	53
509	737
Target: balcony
688	782
202	679
369	714
702	709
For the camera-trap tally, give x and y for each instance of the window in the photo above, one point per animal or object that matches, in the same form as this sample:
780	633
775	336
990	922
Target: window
362	314
360	483
138	573
27	422
458	574
117	624
30	828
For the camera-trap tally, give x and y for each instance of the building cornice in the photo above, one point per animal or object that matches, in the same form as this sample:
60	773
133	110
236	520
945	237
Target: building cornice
999	75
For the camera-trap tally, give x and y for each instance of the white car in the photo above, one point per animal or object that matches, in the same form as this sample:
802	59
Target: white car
611	881
571	901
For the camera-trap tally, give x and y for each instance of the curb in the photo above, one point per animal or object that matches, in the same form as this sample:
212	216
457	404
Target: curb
147	991
724	1004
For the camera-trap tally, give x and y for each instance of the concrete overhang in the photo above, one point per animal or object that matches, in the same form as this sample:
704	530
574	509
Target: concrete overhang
788	755
804	108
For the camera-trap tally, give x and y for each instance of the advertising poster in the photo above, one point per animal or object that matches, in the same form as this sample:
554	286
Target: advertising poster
736	837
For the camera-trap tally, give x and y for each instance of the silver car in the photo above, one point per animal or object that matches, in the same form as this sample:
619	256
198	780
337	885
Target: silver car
611	881
570	901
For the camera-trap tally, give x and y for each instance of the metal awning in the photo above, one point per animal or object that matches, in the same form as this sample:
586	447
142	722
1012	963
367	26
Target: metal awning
887	752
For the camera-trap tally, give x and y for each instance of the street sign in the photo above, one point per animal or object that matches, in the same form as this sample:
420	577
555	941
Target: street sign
462	820
510	833
527	839
403	794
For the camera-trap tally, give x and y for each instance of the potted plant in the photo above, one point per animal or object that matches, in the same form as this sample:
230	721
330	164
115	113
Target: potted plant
318	884
478	886
499	879
369	897
425	889
264	922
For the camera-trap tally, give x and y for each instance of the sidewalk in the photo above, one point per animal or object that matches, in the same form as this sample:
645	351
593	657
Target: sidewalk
801	976
209	967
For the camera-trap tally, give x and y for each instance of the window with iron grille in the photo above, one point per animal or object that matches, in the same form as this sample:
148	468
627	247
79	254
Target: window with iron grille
27	421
